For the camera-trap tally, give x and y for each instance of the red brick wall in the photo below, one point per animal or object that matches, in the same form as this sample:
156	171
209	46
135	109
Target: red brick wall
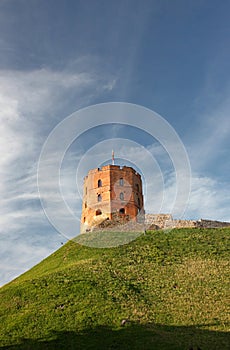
115	194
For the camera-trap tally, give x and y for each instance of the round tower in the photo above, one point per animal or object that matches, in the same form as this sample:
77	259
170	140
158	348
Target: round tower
111	191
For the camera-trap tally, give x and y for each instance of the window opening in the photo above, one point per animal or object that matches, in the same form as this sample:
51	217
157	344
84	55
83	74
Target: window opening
99	183
98	212
99	198
122	211
121	181
121	196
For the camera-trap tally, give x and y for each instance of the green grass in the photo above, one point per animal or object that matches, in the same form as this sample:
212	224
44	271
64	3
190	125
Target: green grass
172	286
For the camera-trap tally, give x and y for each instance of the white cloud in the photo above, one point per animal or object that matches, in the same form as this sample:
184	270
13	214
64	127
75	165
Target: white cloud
44	90
210	142
26	99
31	104
17	255
209	199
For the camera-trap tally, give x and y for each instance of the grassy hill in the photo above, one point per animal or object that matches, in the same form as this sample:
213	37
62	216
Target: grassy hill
172	287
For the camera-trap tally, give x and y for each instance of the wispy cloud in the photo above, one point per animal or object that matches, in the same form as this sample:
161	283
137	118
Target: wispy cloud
26	102
209	136
19	252
209	199
31	104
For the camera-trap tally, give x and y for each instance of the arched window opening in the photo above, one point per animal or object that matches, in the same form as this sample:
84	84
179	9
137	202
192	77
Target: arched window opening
98	212
139	202
137	187
99	198
121	196
85	205
99	183
122	211
121	181
84	219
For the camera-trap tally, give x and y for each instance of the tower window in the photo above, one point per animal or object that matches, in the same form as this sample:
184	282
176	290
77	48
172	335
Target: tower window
99	198
99	183
121	196
139	202
86	190
98	212
85	205
121	181
137	187
122	211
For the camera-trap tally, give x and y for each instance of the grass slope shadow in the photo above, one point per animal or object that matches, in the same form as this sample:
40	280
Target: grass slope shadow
131	336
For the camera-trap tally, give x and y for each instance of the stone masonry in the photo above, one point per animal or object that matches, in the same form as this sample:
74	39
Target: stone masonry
155	222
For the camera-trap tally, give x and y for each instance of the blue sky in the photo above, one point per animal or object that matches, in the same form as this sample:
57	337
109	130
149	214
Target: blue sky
59	56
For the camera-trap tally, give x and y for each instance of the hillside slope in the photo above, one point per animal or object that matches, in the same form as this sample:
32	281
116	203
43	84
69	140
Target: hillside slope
171	287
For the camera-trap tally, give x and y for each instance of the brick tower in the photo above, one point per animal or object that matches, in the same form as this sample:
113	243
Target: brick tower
111	191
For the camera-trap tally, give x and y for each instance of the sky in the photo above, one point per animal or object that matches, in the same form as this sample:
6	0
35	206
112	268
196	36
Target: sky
58	57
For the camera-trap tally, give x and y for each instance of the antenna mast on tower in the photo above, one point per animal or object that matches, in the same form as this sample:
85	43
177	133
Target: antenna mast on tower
112	157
